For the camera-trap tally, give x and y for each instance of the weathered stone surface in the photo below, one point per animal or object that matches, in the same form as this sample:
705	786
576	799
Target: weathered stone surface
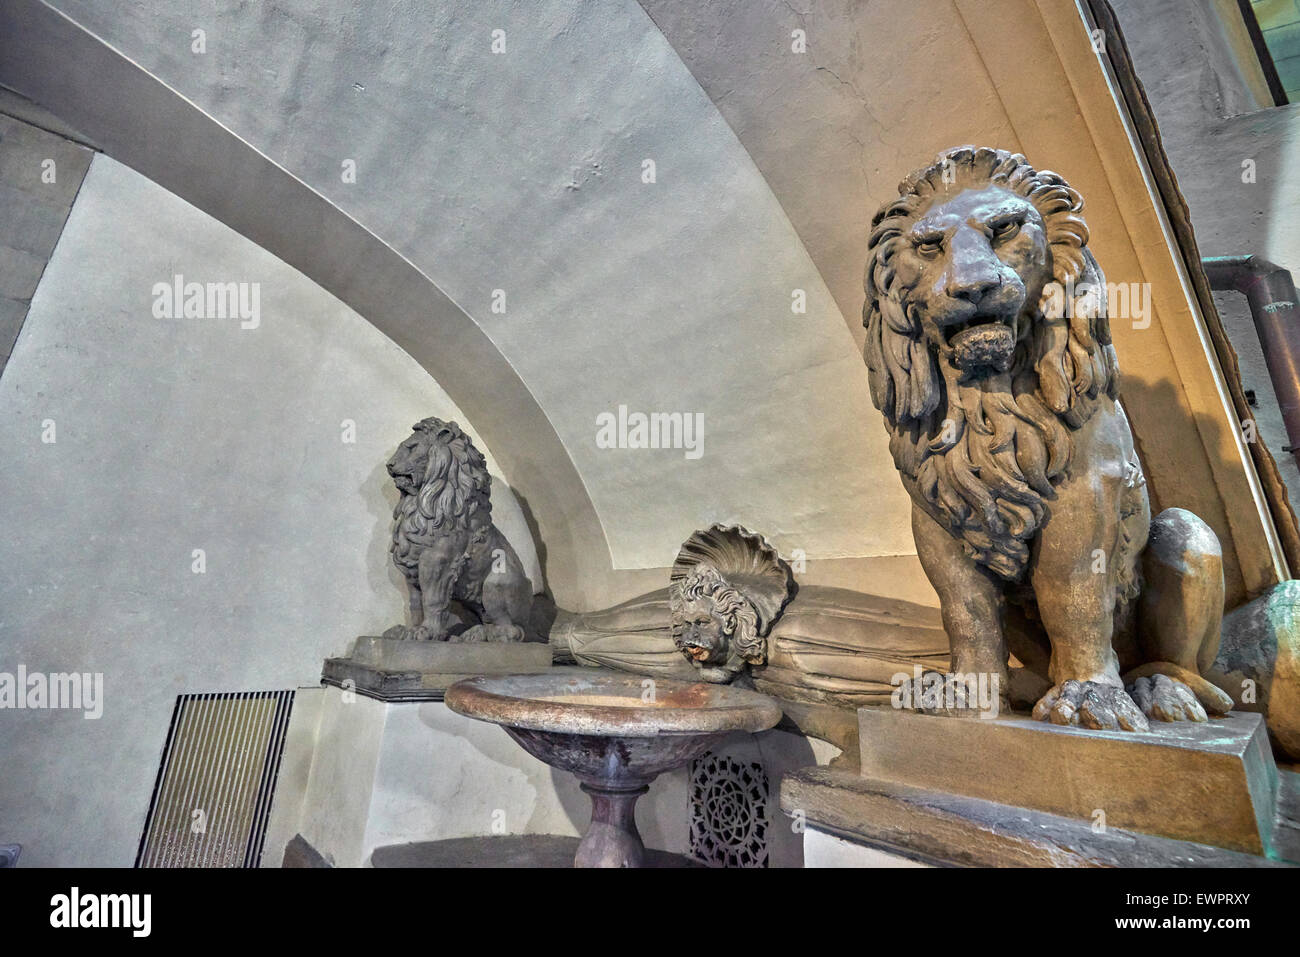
726	590
582	701
394	654
445	543
835	725
392	669
830	646
1259	658
941	828
1212	782
1286	834
989	352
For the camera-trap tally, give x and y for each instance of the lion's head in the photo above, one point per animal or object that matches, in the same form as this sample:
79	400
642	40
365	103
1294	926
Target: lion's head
713	624
443	479
979	359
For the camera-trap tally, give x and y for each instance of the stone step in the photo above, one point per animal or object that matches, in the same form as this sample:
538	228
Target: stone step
1213	782
894	823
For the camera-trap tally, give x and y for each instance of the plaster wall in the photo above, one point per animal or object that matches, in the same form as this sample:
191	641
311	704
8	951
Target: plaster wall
172	435
522	171
33	209
384	774
824	849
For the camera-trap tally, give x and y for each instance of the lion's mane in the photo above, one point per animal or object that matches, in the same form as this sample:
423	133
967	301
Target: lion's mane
453	495
987	474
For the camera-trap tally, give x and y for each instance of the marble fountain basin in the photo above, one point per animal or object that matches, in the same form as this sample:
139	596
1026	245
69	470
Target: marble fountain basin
615	733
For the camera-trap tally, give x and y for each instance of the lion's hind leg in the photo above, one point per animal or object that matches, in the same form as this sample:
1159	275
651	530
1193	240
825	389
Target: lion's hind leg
1180	612
440	562
503	613
504	597
1181	606
1166	692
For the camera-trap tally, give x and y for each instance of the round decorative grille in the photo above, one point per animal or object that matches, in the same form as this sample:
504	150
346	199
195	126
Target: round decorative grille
729	820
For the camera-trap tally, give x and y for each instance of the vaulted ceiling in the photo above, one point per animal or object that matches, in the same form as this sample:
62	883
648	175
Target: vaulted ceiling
503	155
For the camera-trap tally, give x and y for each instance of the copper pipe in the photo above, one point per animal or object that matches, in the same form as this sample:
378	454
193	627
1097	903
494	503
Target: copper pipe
1269	290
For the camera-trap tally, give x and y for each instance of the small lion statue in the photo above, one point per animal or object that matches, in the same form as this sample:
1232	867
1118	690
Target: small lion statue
989	353
445	544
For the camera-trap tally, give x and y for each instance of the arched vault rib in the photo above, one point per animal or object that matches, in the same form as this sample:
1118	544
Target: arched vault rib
140	121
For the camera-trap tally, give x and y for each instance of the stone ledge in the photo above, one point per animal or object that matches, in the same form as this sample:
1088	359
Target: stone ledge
390	670
950	830
1213	782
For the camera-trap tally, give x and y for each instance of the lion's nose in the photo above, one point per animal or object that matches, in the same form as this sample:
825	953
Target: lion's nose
973	288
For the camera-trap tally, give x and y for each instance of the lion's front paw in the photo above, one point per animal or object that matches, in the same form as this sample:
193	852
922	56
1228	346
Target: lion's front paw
1166	699
490	633
1089	704
408	633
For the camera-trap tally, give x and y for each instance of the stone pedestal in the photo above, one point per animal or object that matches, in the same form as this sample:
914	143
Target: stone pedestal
393	670
1213	782
360	773
376	760
1016	792
852	821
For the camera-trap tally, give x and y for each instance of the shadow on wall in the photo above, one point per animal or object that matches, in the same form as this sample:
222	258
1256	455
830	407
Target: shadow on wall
1233	154
544	609
384	576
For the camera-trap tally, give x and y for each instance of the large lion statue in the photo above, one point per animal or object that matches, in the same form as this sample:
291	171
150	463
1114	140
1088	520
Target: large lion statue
989	353
446	545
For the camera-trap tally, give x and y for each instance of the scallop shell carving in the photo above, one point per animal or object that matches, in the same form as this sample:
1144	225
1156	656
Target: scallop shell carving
746	561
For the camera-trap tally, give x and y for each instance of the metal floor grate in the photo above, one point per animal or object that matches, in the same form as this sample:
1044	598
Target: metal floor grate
213	794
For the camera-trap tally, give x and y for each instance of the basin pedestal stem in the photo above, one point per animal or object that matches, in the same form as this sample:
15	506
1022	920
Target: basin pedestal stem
612	839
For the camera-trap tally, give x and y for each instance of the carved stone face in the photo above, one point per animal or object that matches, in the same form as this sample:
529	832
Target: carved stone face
974	263
704	636
409	462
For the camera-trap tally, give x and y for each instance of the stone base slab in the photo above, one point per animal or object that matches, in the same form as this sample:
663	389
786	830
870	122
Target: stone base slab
394	670
1212	783
933	827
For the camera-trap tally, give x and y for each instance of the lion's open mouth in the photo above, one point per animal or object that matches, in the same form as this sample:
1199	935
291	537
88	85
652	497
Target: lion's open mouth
404	481
983	345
